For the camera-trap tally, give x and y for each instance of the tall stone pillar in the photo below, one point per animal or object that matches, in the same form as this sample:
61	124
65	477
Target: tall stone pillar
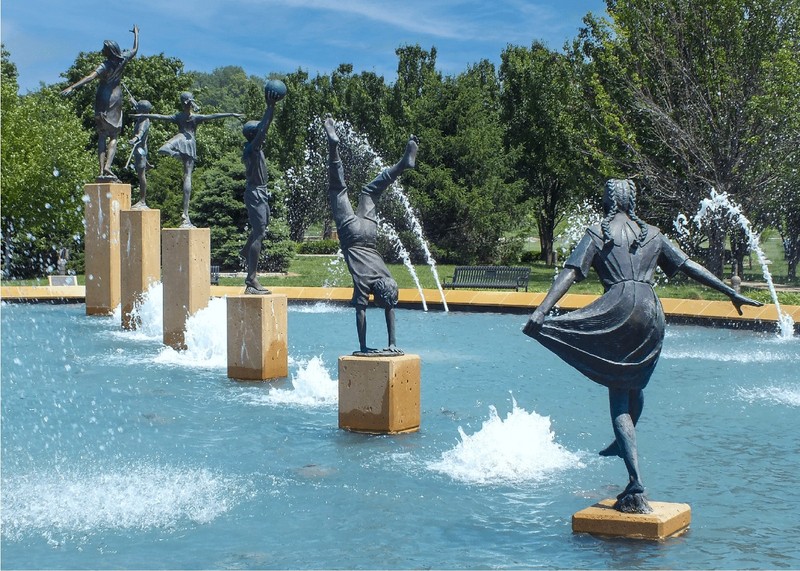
103	204
186	278
257	340
379	395
140	233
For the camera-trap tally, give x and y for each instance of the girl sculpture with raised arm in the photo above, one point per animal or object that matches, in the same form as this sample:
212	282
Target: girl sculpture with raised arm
616	340
108	100
183	146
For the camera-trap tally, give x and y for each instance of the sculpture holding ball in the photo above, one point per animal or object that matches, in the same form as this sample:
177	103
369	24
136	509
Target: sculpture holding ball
256	196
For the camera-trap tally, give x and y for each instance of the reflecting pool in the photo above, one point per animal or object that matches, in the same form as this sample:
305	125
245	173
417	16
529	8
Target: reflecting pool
120	453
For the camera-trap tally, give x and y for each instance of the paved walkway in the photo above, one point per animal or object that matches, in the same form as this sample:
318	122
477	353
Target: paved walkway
461	300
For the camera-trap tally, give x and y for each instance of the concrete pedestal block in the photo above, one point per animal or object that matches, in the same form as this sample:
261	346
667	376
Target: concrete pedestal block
667	520
103	204
186	277
140	234
379	394
257	337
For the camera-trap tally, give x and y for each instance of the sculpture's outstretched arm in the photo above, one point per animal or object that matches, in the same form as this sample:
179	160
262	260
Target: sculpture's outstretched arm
154	116
135	47
705	277
79	83
561	285
389	311
361	326
263	126
202	118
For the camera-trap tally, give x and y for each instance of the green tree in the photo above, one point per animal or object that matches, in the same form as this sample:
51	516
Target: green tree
461	186
44	163
541	109
676	82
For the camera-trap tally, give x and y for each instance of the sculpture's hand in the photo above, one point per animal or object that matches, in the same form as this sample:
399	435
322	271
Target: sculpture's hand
135	30
66	91
272	97
534	324
738	300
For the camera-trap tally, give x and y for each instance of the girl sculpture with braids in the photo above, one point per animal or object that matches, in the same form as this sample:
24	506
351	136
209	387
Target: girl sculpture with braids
616	340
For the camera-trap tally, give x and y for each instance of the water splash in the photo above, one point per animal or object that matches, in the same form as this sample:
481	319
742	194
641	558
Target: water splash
206	339
584	215
148	312
782	395
90	499
401	251
312	386
719	202
519	448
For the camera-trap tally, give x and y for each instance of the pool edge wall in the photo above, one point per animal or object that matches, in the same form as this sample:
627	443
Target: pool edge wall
681	311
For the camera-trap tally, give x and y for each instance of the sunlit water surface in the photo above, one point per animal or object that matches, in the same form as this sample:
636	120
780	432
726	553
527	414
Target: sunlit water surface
120	453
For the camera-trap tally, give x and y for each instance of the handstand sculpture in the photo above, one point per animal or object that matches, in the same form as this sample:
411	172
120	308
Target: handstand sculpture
358	235
616	340
183	146
108	100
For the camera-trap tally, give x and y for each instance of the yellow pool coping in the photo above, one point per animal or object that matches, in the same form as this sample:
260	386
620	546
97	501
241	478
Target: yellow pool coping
500	301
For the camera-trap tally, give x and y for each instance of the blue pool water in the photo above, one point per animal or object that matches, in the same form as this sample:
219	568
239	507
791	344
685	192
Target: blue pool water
120	453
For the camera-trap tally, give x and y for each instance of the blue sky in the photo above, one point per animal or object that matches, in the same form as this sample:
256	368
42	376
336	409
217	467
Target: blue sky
265	36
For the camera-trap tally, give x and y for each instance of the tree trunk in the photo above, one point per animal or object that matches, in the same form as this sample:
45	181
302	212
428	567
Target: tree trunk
715	262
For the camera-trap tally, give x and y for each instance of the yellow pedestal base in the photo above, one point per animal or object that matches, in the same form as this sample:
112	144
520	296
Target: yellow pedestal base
257	341
140	232
104	201
379	395
667	520
186	275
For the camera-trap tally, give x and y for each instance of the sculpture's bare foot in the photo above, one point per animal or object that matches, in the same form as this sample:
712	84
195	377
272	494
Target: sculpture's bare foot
140	206
393	350
409	160
611	450
633	504
330	130
186	222
254	287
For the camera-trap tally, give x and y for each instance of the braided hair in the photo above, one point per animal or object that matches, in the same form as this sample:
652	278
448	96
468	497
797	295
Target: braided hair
620	195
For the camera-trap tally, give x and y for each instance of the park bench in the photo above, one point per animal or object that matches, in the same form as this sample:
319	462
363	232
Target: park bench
490	277
214	275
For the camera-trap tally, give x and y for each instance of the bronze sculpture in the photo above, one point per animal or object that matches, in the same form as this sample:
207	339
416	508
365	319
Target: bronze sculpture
358	233
138	156
616	340
183	146
256	196
108	100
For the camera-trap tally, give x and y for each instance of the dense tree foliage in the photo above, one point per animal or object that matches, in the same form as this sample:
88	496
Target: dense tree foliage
44	164
545	130
678	84
683	95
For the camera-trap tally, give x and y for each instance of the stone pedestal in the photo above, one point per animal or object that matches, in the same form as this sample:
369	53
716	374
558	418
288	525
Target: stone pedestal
666	521
379	394
103	203
257	341
140	233
186	277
